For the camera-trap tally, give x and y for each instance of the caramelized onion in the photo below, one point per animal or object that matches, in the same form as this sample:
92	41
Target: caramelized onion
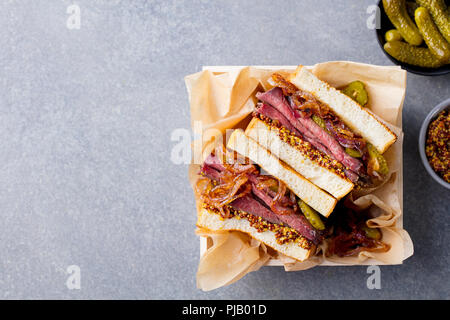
229	187
348	237
225	193
265	182
277	204
232	162
287	87
345	137
203	185
350	244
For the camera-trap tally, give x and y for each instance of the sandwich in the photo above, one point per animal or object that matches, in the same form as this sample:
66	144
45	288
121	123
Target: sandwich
323	134
246	188
307	146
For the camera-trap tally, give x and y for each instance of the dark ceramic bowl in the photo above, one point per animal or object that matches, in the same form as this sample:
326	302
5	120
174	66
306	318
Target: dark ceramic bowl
423	136
386	25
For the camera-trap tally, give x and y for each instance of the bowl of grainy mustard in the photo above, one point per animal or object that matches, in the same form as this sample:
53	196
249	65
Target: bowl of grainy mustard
434	143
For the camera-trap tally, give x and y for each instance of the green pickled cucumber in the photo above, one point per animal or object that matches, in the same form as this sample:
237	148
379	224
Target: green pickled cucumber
372	233
311	215
430	33
353	153
440	15
392	35
319	121
396	11
357	91
378	158
416	56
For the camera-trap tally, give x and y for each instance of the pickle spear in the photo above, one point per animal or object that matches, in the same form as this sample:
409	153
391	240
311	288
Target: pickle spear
318	120
440	15
416	56
433	38
396	11
372	233
357	91
392	35
353	153
377	162
311	215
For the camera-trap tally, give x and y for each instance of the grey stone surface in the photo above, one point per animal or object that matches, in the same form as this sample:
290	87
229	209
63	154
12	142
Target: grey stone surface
86	118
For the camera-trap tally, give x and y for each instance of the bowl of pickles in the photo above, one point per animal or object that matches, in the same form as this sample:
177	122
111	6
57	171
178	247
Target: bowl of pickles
415	34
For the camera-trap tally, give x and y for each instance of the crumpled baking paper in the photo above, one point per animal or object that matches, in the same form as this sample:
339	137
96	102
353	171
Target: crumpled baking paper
223	98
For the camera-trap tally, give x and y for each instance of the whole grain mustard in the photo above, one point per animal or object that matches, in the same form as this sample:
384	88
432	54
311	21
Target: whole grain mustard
438	144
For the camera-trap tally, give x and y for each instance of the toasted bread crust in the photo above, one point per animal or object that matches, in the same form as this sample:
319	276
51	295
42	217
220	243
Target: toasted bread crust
210	221
357	109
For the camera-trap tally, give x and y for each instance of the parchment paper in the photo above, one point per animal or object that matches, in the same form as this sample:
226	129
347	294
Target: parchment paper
222	98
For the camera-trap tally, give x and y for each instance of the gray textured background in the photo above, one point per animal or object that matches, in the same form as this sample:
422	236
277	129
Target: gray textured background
85	123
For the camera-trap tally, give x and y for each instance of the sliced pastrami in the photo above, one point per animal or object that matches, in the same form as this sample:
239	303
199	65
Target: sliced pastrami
311	138
250	205
254	181
312	132
210	172
267	199
351	175
292	219
272	113
276	99
331	143
214	162
299	223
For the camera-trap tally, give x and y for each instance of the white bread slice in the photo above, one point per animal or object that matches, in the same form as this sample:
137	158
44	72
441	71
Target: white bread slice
359	119
322	177
318	199
211	221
